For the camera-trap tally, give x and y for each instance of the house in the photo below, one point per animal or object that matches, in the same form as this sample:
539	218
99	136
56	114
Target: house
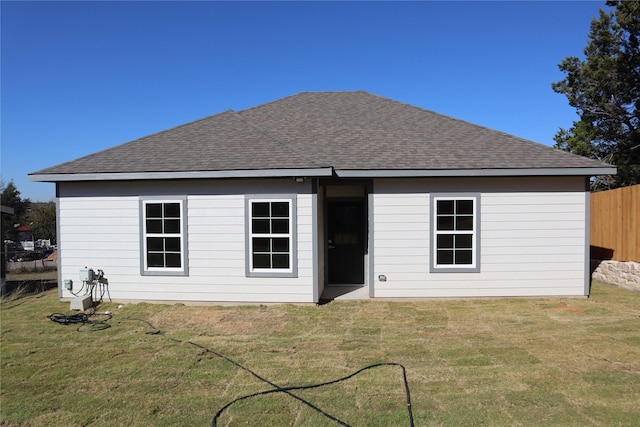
320	192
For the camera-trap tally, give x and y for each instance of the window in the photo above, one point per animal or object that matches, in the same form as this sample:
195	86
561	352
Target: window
163	237
271	237
455	233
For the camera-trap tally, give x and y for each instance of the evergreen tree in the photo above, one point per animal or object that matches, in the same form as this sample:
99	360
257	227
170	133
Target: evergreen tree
605	90
10	196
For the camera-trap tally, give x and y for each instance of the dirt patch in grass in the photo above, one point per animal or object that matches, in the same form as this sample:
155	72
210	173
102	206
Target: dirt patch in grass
213	321
569	308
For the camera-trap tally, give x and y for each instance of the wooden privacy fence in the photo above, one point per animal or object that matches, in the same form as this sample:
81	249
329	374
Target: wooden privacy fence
615	224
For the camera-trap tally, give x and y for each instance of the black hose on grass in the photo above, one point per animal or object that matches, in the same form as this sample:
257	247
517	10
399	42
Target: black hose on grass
214	422
286	390
83	319
95	325
307	387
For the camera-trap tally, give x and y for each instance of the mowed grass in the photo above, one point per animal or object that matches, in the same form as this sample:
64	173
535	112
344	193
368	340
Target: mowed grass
491	362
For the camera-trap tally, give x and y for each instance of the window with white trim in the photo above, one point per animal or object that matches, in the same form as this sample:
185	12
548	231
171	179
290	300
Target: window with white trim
163	237
271	237
454	237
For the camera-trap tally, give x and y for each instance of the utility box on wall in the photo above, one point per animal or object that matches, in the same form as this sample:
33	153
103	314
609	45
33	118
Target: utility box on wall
87	275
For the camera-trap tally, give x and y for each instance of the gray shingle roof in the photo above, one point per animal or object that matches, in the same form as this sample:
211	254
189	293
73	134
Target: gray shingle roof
343	130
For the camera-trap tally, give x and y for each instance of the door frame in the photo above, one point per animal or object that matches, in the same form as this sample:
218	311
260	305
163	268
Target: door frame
366	187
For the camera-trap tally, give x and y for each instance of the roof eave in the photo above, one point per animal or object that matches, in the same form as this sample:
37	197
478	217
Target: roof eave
424	173
321	172
122	176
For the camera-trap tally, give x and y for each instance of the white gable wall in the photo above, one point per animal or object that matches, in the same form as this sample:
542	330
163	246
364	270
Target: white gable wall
99	227
532	238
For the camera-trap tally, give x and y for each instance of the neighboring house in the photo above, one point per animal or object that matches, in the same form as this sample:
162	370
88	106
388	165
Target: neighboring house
291	199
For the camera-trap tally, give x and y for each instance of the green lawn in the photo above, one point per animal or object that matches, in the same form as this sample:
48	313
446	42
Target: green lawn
493	362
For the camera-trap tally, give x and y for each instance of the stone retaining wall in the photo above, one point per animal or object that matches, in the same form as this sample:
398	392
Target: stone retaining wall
623	274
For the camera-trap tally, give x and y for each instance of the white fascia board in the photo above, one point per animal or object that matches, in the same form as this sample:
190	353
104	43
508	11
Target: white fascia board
416	173
122	176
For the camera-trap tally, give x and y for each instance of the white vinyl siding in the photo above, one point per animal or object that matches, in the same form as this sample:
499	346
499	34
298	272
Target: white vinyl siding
104	232
532	238
400	237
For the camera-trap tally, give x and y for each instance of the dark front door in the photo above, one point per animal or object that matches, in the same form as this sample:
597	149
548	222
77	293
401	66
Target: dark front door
346	233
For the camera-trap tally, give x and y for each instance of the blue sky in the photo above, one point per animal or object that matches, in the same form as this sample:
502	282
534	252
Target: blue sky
79	77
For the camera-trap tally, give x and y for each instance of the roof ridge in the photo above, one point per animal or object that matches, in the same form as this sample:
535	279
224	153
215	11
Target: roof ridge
276	140
304	92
